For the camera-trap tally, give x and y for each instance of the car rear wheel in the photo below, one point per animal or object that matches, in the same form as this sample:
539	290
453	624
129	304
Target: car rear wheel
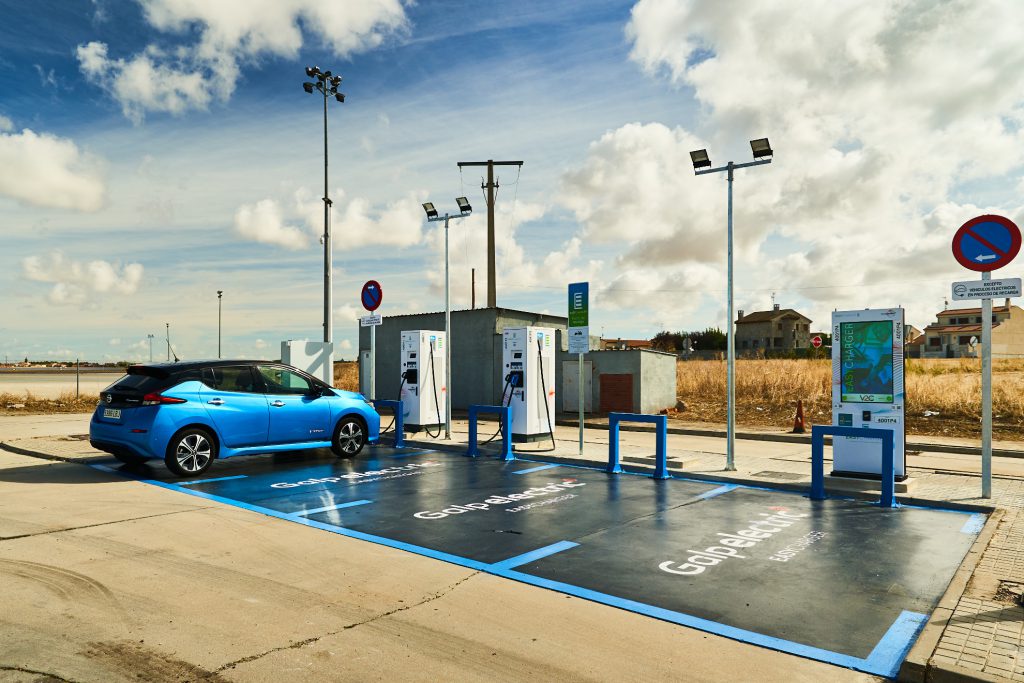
190	452
349	437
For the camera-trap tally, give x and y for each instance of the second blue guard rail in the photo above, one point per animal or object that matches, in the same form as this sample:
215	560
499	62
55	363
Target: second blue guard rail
660	441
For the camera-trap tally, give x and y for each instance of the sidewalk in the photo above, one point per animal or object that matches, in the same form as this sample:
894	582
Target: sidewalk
975	636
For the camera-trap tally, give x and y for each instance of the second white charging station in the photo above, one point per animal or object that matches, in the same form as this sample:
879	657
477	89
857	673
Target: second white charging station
528	359
423	394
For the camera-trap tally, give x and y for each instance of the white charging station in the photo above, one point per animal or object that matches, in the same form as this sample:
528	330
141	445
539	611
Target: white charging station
424	395
867	389
528	358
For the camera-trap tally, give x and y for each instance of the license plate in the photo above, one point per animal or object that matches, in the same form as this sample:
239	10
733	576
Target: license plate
114	413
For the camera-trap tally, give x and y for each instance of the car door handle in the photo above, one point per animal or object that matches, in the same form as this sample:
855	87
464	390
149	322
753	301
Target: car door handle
278	404
216	401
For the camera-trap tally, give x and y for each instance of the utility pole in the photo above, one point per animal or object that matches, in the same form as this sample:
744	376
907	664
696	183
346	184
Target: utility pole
490	187
472	286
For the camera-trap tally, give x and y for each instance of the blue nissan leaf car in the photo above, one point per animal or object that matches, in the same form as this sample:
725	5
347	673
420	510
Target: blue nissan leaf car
188	414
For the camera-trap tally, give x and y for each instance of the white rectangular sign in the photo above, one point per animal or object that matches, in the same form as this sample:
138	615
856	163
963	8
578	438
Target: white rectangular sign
370	320
986	289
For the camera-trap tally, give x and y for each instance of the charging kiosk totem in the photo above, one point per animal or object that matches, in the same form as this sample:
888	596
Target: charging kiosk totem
867	389
528	358
423	392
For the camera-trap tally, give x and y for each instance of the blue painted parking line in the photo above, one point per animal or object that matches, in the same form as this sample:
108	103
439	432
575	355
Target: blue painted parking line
411	455
974	524
892	649
206	481
535	469
713	493
334	507
526	558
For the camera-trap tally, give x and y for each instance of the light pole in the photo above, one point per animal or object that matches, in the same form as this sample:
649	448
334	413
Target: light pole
762	152
464	210
327	85
220	293
168	342
150	347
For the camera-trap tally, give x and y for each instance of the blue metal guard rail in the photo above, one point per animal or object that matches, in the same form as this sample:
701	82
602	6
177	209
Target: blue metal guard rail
660	441
818	433
505	419
396	407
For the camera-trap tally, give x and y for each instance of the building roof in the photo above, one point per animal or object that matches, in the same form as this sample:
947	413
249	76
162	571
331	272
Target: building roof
974	311
769	316
916	341
957	328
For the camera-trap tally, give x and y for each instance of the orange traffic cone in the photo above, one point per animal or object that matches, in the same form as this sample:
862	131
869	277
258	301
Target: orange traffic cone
798	421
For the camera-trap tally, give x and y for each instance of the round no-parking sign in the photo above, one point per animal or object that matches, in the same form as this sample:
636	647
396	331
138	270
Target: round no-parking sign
986	243
372	295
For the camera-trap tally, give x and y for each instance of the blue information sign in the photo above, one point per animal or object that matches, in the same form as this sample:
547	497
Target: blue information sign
986	243
372	295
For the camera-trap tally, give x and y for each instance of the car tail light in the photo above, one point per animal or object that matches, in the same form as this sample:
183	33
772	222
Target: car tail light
155	399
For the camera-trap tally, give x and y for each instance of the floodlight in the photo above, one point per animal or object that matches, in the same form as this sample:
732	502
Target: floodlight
431	211
464	206
312	71
339	96
336	81
308	87
760	148
700	159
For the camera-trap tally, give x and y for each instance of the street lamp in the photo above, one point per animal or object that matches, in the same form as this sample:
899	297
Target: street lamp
150	347
762	153
220	293
464	210
326	84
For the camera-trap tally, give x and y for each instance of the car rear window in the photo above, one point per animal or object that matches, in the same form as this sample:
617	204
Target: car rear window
142	384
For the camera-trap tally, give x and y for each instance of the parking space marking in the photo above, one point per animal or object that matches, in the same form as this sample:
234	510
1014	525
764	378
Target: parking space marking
725	488
974	524
207	481
526	558
410	455
536	469
334	507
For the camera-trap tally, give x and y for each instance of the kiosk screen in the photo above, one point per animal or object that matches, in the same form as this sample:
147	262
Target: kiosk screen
867	374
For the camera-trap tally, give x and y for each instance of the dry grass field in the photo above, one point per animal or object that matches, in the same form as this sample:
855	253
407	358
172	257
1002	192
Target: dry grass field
767	392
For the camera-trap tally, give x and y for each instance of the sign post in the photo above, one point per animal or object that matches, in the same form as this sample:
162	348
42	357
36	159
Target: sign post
984	244
371	297
579	334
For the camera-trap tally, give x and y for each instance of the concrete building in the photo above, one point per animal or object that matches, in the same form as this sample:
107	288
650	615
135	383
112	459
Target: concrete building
630	381
957	333
780	329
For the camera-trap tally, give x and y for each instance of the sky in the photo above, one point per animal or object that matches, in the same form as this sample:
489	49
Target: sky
153	152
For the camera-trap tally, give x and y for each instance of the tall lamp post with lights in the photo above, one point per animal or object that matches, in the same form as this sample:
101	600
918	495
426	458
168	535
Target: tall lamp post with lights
150	337
762	152
326	84
220	294
432	216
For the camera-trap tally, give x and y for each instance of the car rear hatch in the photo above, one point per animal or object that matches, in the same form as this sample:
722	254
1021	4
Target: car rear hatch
126	395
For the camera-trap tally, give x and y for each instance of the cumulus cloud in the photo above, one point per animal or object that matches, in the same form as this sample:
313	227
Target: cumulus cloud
263	222
230	33
875	152
76	282
355	222
45	170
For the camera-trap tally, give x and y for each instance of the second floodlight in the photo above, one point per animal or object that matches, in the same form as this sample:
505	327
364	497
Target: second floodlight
464	206
431	211
760	148
700	159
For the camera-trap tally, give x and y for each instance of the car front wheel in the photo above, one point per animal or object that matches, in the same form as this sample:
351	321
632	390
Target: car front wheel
349	437
190	452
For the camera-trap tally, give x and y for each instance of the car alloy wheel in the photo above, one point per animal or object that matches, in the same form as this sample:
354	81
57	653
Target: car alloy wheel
191	452
349	438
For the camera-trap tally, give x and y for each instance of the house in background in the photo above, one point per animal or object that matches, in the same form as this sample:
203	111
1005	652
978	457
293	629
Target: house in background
780	329
957	333
913	342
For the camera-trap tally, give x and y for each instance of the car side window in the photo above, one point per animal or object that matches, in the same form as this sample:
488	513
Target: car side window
231	378
281	381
